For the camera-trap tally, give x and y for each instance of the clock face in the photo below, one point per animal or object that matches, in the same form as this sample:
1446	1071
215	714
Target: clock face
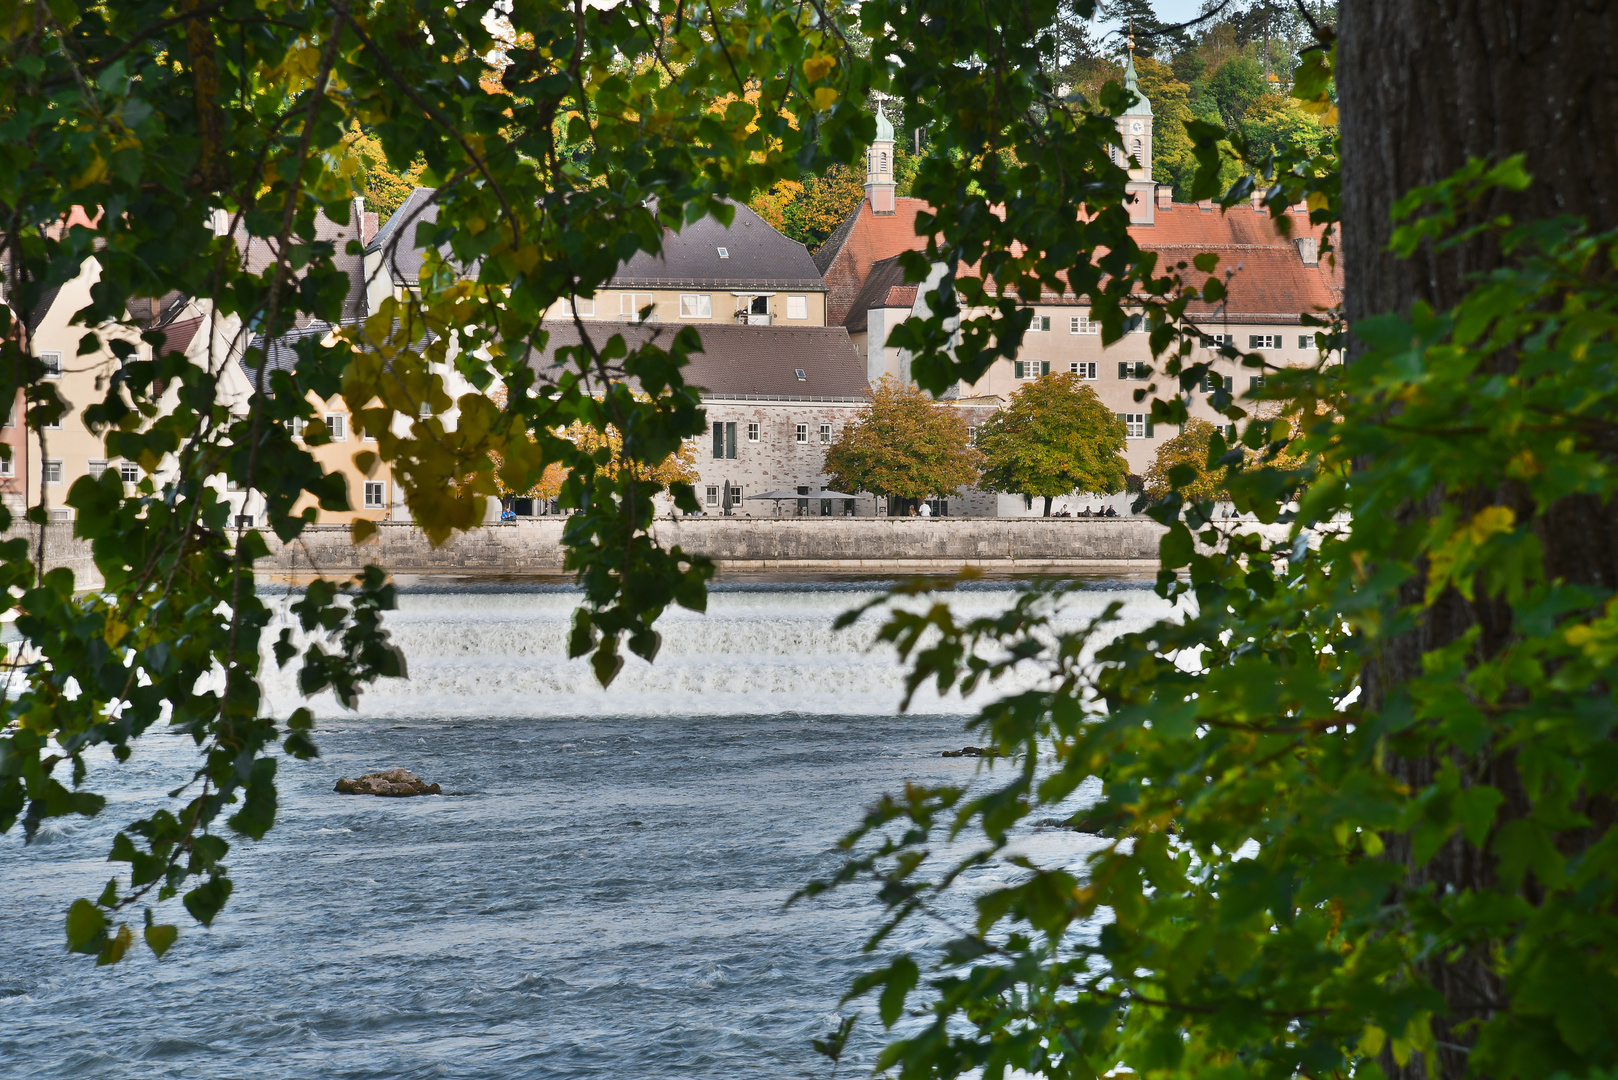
1137	125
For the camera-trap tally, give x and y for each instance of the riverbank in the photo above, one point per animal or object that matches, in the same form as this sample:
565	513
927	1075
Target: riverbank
853	546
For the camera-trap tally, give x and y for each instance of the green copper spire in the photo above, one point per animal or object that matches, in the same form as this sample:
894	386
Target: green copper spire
1141	107
884	128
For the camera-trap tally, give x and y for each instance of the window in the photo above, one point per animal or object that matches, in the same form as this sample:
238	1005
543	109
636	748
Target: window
295	425
1218	382
50	471
752	433
584	307
337	424
1306	341
1084	369
724	441
713	490
1254	382
368	437
96	467
696	306
797	307
803	433
426	410
631	304
825	433
799	373
11	417
375	495
1221	340
1264	341
1139	424
1126	370
972	434
52	425
129	472
884	159
1040	323
1081	324
52	363
244	521
724	253
8	467
1030	369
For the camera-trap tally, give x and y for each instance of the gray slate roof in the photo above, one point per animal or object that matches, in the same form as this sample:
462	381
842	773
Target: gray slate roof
257	253
884	277
405	263
759	258
740	361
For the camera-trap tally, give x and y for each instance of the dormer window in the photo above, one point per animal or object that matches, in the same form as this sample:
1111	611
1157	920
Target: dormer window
724	253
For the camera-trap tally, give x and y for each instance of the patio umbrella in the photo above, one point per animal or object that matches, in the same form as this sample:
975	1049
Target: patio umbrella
778	495
825	495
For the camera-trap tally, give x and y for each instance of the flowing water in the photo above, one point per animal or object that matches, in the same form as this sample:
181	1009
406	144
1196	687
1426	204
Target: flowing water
598	893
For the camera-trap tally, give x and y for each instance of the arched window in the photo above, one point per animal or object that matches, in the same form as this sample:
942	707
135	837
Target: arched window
1137	152
884	161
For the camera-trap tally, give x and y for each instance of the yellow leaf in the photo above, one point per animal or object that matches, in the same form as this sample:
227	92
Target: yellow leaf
1489	521
818	67
1316	201
361	530
1372	1040
825	98
93	172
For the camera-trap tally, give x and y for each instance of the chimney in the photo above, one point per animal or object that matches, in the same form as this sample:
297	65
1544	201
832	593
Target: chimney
1165	196
370	220
1308	249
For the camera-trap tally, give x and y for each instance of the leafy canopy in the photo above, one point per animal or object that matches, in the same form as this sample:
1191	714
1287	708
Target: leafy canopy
1054	437
1182	465
903	444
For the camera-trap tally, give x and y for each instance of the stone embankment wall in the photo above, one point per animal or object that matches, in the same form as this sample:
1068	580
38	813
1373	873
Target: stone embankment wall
736	544
823	544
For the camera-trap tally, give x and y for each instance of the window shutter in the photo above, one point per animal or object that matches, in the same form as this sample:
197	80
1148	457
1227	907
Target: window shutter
1123	372
1017	368
730	440
1148	428
1044	367
1121	419
718	441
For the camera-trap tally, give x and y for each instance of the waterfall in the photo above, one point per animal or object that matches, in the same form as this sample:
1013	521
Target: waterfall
498	651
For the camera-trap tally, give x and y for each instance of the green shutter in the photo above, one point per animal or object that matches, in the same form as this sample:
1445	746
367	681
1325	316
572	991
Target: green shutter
718	441
1044	367
1016	369
1123	372
730	440
1148	428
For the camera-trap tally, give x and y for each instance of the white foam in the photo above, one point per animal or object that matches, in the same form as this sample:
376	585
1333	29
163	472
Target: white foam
752	652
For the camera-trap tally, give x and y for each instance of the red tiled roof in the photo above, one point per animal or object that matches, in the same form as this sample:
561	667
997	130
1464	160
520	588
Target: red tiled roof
863	239
884	282
1270	281
177	335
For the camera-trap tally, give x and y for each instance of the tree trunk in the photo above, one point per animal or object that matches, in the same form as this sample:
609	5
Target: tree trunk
1047	506
1423	87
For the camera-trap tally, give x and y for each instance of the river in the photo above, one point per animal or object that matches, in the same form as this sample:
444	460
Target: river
598	894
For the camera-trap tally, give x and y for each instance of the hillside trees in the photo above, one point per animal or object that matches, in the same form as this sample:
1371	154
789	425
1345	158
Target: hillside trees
903	445
1053	437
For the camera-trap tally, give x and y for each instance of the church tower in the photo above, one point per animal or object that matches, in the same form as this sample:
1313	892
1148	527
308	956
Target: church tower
1135	130
879	183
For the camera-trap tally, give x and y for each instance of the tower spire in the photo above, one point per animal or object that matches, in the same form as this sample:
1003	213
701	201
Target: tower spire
879	165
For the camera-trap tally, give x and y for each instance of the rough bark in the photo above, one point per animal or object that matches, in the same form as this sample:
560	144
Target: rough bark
1423	87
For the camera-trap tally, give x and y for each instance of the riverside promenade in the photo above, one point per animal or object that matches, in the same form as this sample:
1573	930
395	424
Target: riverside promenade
737	545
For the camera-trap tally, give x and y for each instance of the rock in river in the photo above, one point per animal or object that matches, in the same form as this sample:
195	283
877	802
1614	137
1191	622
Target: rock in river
395	783
972	751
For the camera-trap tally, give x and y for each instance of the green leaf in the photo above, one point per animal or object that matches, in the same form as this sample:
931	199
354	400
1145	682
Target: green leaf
86	927
902	975
161	938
